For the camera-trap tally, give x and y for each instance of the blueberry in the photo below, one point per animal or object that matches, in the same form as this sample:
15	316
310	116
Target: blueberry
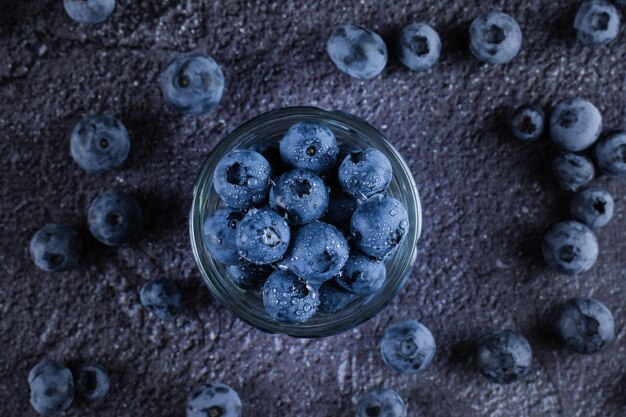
263	236
89	11
214	400
301	195
114	218
419	46
495	38
93	381
362	275
503	356
585	325
56	248
365	173
527	123
593	207
318	252
218	234
333	298
192	84
408	347
309	146
289	299
572	171
51	387
271	152
249	276
241	178
570	248
575	124
99	143
610	153
340	209
162	297
381	402
379	225
357	51
597	22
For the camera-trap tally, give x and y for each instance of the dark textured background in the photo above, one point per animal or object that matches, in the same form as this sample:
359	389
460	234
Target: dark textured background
487	200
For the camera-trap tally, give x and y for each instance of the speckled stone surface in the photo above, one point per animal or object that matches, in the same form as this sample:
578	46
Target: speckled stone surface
487	199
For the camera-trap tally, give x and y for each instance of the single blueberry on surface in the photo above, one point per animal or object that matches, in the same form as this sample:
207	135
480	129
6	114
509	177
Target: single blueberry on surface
592	207
55	248
262	237
99	143
288	298
89	11
495	38
218	235
311	146
340	209
333	298
248	276
162	297
365	173
214	400
93	381
597	22
357	51
362	275
192	84
570	248
527	123
585	325
381	402
609	153
572	171
114	218
408	347
419	46
241	178
575	124
503	356
51	387
301	195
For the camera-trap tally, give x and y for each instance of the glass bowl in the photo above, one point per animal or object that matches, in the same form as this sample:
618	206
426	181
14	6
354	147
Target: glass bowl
271	127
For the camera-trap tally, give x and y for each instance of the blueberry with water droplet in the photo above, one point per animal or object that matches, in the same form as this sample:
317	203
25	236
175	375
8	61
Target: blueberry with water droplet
357	51
311	146
51	387
340	209
572	170
249	276
585	325
99	143
89	12
381	402
301	195
593	207
288	298
503	356
93	381
241	179
262	237
218	235
333	298
365	173
408	347
214	400
162	297
362	275
55	248
570	248
114	218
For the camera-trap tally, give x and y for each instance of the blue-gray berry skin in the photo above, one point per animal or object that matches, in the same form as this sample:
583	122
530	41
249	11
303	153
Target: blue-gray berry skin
362	275
381	402
333	298
570	248
379	225
365	173
575	124
572	171
597	22
419	46
609	153
357	51
241	179
55	248
93	381
214	400
340	209
288	298
527	123
408	347
503	356
311	146
99	143
585	325
162	297
271	152
495	38
248	276
592	207
51	387
89	11
114	218
192	84
218	234
262	237
301	195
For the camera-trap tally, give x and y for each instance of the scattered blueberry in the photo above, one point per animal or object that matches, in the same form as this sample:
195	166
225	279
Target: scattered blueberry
340	209
93	381
408	347
289	299
311	146
114	218
241	178
495	38
585	325
365	173
99	143
192	84
419	46
51	387
263	236
570	248
301	195
381	402
362	275
597	22
333	298
89	11
503	356
218	234
162	297
55	248
572	170
575	124
357	51
214	400
610	153
249	276
593	207
527	123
